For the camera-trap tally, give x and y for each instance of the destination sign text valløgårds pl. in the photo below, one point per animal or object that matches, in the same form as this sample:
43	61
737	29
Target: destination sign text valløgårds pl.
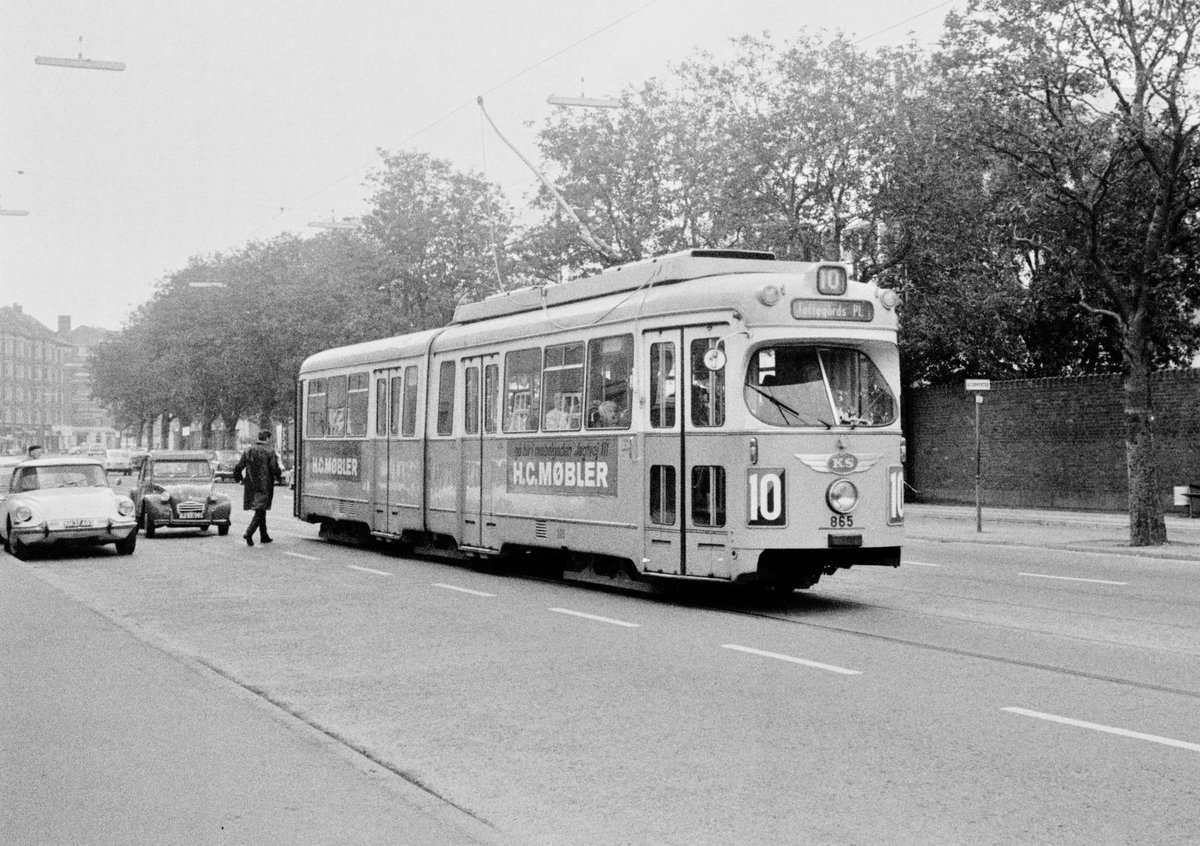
856	310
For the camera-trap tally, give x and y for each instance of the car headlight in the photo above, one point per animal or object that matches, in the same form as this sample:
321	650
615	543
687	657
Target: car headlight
22	514
124	507
164	498
842	496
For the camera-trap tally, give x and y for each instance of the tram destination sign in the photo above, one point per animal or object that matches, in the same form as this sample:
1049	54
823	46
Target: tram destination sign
563	466
852	310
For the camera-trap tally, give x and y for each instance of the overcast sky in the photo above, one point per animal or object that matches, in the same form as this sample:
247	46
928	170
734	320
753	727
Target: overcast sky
237	120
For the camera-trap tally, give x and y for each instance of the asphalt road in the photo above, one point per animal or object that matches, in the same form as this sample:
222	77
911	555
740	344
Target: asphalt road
982	694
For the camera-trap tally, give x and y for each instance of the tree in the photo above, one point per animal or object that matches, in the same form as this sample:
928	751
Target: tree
1090	103
127	378
439	234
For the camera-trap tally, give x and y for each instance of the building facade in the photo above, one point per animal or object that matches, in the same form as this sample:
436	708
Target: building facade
85	421
45	388
32	383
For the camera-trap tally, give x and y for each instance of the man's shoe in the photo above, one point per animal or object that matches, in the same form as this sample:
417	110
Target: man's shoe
249	540
266	540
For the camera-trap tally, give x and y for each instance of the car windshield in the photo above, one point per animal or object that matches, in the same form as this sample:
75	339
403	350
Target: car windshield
795	385
60	476
199	470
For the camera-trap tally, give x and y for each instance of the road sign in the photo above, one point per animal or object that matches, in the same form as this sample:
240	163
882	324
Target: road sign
979	384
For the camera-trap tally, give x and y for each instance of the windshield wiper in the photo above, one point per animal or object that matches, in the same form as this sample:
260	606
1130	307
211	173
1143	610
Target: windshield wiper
786	409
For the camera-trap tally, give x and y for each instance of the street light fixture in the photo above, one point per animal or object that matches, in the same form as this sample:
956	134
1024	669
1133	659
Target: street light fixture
14	212
344	223
81	62
584	102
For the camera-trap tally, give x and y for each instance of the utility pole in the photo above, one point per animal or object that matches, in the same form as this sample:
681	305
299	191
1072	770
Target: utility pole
978	386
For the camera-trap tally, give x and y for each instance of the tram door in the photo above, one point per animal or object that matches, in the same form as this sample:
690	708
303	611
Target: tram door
390	396
481	387
684	500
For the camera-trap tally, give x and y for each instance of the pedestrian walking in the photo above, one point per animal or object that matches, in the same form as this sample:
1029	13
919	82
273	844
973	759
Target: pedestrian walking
258	471
35	451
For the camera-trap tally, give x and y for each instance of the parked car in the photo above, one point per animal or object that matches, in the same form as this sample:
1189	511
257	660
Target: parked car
136	457
8	463
118	461
64	500
176	489
226	460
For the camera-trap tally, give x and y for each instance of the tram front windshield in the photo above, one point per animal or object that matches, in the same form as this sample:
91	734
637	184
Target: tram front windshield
803	385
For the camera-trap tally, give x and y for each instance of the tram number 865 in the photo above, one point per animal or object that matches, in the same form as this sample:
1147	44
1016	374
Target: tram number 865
766	497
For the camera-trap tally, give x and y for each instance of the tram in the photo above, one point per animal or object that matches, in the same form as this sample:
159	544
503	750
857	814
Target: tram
708	415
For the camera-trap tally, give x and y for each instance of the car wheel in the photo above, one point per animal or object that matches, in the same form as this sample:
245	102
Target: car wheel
223	530
7	535
148	524
126	546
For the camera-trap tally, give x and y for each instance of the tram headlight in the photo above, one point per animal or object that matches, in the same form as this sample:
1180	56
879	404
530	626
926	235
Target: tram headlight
888	298
842	496
769	295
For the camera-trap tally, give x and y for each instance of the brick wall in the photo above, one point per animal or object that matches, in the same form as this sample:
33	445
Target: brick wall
1056	443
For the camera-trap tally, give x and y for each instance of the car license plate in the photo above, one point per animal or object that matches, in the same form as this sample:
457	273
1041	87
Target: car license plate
77	524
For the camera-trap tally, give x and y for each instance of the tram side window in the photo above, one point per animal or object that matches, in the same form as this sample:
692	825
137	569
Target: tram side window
708	495
610	367
356	404
662	494
445	412
708	387
662	385
522	390
335	402
315	424
471	400
562	380
397	400
381	406
410	402
491	383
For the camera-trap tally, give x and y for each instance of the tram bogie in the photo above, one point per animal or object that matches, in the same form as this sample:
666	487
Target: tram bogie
702	417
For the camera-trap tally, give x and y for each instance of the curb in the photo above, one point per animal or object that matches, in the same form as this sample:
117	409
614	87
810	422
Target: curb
1173	551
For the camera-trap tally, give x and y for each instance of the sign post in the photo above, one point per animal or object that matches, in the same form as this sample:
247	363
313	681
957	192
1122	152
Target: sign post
978	386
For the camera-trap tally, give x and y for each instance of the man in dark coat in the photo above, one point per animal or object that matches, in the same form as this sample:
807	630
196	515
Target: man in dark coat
258	471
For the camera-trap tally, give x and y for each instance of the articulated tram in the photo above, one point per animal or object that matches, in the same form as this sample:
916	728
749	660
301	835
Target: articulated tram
706	415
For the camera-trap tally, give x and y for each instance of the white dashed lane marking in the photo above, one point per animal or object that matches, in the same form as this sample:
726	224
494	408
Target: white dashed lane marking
305	557
1072	579
368	570
1136	735
462	589
598	619
791	659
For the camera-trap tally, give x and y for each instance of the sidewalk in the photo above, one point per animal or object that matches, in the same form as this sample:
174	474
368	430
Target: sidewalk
1082	530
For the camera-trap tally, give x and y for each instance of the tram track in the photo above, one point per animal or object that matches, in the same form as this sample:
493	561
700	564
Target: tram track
903	641
984	656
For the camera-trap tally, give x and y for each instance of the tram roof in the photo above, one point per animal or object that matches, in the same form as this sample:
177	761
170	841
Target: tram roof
370	352
675	267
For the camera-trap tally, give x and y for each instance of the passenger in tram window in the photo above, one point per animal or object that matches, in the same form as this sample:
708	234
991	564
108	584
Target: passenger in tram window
609	413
